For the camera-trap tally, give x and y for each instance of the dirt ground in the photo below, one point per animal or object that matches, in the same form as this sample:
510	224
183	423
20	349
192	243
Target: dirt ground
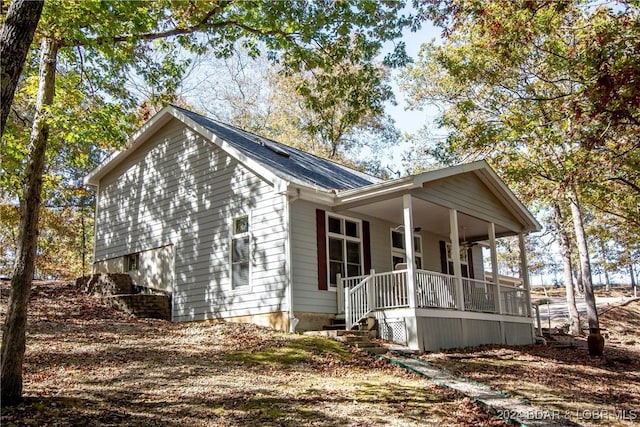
87	364
561	376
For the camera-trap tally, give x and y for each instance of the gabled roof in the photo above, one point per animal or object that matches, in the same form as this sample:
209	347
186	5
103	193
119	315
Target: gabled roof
362	195
268	158
321	179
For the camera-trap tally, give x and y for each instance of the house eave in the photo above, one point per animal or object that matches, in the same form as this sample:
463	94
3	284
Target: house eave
310	194
362	194
348	199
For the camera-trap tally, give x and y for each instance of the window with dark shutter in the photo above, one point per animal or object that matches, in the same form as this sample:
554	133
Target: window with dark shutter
321	237
444	266
366	246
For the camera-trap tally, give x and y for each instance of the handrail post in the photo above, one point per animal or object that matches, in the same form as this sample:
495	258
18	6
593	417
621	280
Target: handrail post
371	292
347	307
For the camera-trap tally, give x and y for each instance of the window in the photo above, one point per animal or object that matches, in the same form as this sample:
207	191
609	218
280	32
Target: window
464	261
133	262
344	247
240	252
398	253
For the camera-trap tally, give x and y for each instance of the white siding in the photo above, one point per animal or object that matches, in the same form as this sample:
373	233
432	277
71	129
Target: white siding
431	248
155	269
307	297
304	261
180	189
468	194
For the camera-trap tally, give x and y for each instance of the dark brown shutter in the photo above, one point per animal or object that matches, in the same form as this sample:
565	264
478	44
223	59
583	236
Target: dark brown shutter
321	237
366	246
443	257
470	267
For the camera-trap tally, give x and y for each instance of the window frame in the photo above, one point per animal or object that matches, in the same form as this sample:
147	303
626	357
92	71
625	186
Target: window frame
242	235
345	238
133	262
397	252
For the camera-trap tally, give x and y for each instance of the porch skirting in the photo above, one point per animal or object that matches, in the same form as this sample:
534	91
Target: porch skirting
436	329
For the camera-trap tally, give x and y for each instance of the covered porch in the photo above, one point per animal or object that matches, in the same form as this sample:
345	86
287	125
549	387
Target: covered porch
364	295
465	207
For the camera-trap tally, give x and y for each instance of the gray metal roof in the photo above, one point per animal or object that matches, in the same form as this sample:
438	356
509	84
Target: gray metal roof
284	161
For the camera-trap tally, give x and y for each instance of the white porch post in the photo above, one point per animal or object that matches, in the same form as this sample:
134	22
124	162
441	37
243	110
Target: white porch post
409	249
371	292
494	267
524	273
455	256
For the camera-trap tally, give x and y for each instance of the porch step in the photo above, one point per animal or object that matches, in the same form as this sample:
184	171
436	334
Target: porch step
337	334
334	327
336	324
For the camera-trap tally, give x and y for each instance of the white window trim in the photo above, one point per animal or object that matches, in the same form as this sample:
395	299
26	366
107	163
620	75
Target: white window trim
136	261
249	233
402	253
345	238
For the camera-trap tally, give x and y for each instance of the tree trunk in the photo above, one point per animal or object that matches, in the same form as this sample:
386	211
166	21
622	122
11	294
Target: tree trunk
585	264
578	273
565	245
13	340
16	36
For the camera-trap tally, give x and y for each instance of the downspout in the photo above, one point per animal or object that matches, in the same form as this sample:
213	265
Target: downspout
293	321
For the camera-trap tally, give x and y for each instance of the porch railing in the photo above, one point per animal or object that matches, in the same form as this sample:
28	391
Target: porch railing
364	294
479	295
358	302
435	290
514	301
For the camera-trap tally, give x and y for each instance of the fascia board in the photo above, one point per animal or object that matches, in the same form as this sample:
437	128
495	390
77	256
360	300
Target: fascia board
434	175
375	190
326	198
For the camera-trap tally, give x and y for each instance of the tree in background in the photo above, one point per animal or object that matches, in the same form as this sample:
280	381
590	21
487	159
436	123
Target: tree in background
545	91
300	109
100	42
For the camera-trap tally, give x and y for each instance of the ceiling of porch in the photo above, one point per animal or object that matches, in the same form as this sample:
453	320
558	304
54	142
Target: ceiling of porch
429	217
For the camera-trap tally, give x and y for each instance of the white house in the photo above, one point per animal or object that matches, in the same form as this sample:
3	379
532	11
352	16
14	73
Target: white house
236	226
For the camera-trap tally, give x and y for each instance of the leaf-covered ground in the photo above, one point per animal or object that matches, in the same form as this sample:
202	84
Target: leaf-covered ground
562	377
87	364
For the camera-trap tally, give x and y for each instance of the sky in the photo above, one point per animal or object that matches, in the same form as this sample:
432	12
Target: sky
205	80
410	121
406	120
